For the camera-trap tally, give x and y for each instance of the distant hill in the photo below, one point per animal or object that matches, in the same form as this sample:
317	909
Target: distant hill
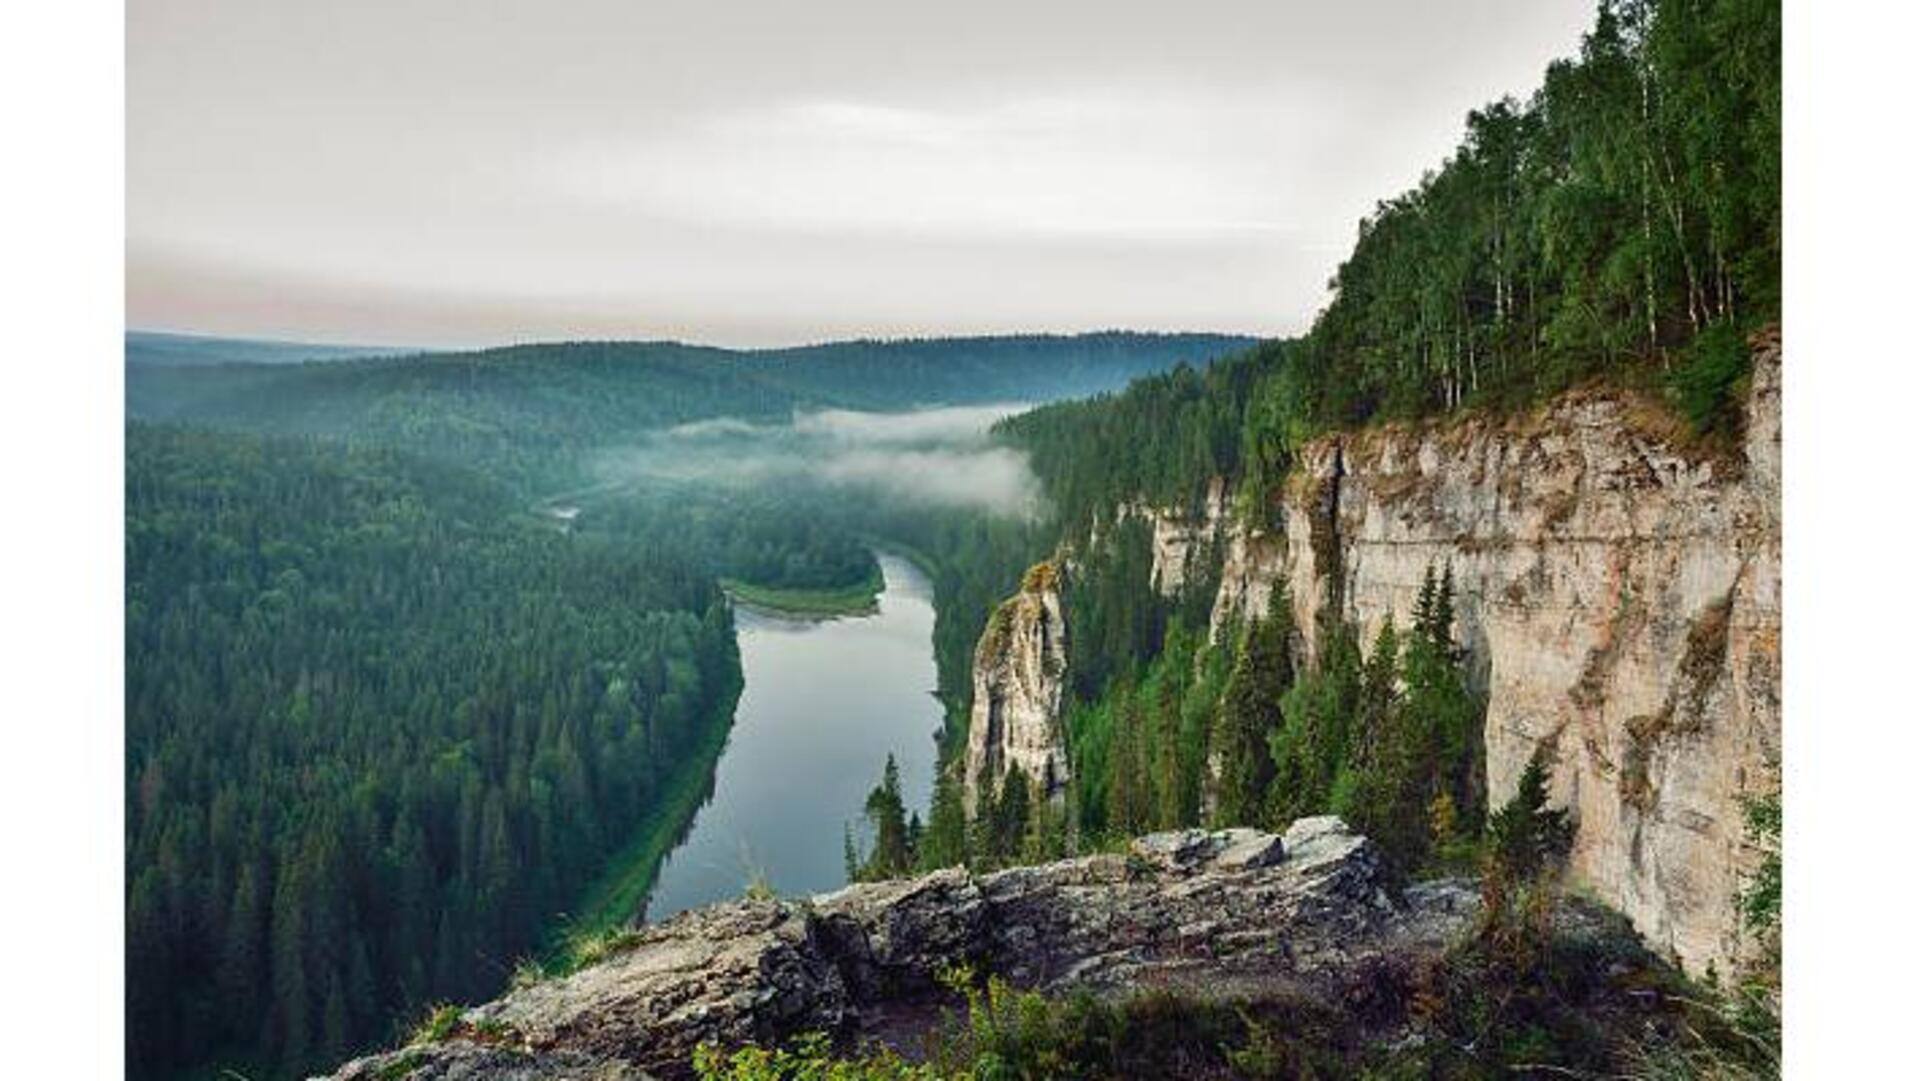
153	347
528	408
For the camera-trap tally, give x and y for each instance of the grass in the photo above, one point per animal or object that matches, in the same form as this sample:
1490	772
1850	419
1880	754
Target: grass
859	598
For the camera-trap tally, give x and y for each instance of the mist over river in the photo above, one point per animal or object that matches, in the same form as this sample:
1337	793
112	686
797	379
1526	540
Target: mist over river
825	701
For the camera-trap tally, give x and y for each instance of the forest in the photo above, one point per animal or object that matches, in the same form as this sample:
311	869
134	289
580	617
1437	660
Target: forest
381	726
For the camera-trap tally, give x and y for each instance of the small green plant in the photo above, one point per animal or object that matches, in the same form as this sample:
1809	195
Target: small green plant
591	948
492	1031
808	1058
442	1020
528	973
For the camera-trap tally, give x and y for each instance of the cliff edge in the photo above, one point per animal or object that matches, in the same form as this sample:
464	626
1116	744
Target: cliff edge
1309	912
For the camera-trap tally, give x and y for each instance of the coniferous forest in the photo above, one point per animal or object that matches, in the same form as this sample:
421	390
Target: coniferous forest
382	726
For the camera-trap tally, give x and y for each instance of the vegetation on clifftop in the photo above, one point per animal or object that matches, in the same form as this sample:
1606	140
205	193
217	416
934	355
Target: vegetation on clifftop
1623	224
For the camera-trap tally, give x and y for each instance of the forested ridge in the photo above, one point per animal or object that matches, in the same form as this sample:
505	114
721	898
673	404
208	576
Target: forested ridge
1621	225
381	727
530	412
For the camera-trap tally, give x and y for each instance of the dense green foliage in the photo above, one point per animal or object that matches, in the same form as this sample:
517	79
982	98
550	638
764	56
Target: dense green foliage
1140	750
148	347
1159	441
381	726
776	538
391	718
1632	203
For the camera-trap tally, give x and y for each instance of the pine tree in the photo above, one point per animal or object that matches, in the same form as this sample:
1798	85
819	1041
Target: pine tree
1010	813
292	1007
945	844
1423	605
1126	800
1046	836
887	811
1442	630
1526	835
1250	712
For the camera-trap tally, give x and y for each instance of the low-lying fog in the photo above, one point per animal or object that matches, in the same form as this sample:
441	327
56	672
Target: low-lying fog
939	455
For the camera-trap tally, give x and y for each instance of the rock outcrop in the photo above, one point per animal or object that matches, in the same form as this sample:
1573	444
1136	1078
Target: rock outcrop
1213	912
1019	678
1620	597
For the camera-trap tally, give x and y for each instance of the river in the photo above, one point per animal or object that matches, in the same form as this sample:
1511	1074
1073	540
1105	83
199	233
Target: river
825	701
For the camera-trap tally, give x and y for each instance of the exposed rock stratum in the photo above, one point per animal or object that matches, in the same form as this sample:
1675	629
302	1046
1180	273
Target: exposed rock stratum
1617	589
1307	912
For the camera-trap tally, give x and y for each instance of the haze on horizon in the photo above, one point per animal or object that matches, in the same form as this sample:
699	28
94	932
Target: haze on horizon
436	172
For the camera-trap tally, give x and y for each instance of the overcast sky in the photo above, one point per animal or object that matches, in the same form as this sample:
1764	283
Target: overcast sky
461	172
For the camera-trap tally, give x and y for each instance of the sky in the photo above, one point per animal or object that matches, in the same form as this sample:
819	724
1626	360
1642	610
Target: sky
472	172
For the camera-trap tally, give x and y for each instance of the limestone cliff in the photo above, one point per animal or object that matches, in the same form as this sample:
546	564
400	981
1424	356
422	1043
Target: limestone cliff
1019	670
1617	589
1619	595
1213	912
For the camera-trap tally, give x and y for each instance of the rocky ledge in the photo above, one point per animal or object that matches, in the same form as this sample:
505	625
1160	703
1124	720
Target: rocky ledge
1220	913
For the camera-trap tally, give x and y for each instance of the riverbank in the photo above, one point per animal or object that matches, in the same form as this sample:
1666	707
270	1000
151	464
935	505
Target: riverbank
859	599
616	898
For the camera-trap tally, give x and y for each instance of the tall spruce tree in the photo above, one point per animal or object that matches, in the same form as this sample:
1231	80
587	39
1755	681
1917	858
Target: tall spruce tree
886	810
1010	813
945	843
1250	712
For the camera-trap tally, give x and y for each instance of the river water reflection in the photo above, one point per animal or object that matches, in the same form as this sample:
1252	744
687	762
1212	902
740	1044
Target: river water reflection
825	701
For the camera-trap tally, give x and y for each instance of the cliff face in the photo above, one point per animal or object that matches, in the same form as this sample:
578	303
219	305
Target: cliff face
1619	596
1019	670
1207	911
1621	602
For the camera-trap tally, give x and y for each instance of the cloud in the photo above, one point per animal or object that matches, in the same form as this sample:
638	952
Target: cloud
950	424
939	456
1170	166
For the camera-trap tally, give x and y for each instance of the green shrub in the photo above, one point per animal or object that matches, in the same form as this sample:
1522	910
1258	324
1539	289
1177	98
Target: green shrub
1706	383
810	1058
